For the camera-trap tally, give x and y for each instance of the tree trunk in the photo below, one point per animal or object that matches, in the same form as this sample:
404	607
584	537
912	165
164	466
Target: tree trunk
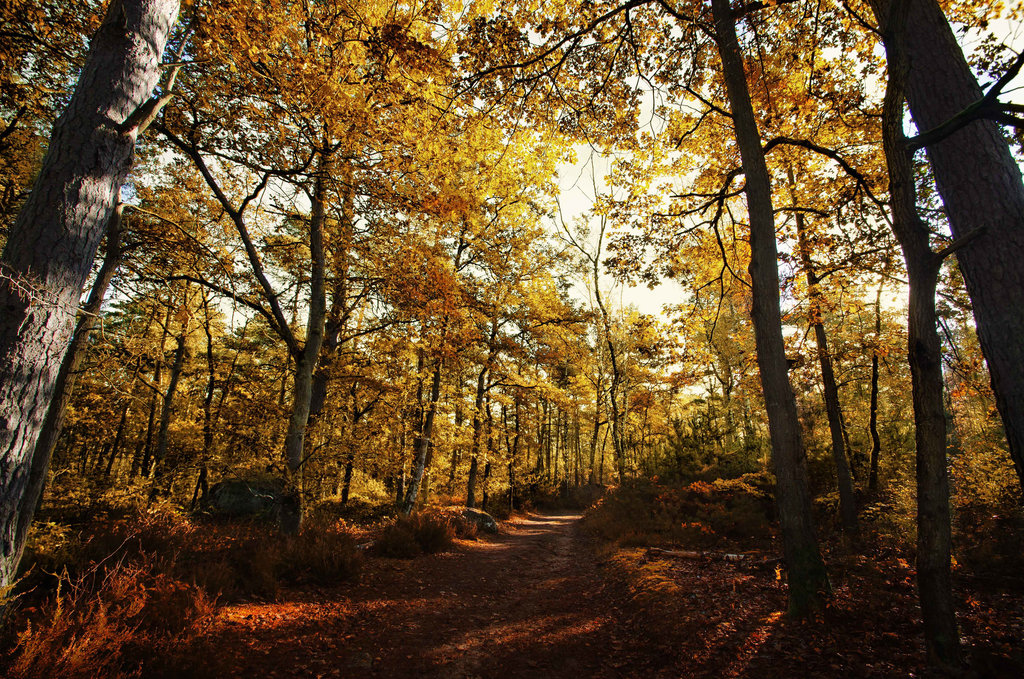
808	581
924	352
847	502
876	440
306	360
50	248
478	423
167	409
147	457
65	385
118	441
422	442
981	188
346	487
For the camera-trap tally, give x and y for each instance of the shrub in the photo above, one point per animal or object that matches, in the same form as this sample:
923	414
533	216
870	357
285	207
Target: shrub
397	541
434	531
357	510
324	552
105	623
700	514
425	532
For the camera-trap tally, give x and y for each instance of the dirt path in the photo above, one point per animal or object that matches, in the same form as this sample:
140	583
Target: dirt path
527	603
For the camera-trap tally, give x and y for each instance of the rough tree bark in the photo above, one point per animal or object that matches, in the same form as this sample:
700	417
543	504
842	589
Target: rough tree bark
924	353
50	248
981	187
65	384
808	580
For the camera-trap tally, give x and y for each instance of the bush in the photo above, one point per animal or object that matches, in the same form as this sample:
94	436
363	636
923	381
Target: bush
397	541
357	510
703	515
425	532
105	623
324	552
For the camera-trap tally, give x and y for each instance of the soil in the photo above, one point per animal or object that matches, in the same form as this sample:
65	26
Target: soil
535	602
529	602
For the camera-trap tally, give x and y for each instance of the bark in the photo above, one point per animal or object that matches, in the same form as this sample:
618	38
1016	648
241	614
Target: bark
981	188
613	389
51	246
598	398
346	487
924	352
808	581
422	443
478	423
487	477
306	359
833	409
147	456
118	441
471	483
65	384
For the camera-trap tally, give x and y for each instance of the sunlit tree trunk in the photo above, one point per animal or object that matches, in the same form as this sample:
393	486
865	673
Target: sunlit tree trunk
421	444
307	358
50	248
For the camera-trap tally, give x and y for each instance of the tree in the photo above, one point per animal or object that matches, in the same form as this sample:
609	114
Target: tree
808	580
982	191
54	239
924	354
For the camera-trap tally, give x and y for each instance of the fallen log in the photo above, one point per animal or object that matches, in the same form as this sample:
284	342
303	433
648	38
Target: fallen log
748	560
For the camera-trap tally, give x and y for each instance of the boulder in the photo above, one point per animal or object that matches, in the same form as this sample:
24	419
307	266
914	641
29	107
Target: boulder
246	498
481	519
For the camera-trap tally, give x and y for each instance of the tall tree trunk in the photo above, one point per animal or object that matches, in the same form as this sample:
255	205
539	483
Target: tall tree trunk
118	440
478	423
847	502
981	188
598	399
808	581
484	490
65	384
924	353
147	457
306	360
346	486
50	248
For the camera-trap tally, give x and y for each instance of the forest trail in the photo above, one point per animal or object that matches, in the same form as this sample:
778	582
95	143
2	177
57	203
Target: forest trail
526	603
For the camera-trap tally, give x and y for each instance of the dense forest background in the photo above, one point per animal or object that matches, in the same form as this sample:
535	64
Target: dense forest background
342	272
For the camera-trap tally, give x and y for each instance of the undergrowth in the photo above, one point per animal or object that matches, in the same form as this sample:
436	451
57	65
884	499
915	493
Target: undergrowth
98	601
425	532
721	514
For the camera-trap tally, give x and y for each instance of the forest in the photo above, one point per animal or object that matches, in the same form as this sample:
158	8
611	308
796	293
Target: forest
609	338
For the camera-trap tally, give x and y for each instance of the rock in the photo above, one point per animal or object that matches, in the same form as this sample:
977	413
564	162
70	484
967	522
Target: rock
246	498
481	519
